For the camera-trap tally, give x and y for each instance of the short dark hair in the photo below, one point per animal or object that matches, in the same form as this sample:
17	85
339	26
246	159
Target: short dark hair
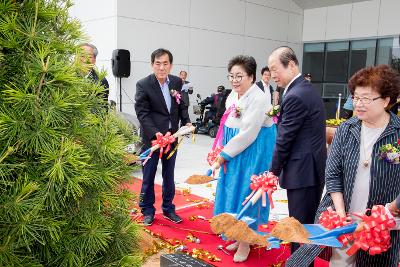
247	62
264	70
183	71
382	78
286	55
160	52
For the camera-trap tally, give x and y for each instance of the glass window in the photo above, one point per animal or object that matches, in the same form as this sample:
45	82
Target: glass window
313	60
332	90
389	52
337	62
362	54
332	64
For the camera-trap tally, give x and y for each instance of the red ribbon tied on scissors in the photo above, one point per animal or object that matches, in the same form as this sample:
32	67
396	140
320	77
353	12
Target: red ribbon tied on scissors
374	236
330	219
268	182
164	141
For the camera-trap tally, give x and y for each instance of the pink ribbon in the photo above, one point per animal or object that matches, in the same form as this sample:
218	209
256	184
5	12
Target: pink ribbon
268	182
218	138
275	118
177	96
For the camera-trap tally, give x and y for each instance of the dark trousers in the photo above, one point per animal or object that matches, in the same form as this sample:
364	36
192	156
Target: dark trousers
147	197
303	204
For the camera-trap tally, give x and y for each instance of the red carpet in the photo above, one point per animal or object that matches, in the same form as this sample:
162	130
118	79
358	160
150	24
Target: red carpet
186	207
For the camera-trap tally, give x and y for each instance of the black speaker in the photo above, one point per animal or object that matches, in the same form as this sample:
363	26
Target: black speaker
121	63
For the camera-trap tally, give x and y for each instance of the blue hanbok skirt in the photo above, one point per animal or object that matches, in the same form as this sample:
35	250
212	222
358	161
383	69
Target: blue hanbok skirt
234	185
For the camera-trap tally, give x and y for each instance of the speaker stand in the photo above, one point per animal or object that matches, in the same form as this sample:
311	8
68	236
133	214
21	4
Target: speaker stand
120	95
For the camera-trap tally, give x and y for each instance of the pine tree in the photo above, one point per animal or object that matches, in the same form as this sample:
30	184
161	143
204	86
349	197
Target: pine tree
61	151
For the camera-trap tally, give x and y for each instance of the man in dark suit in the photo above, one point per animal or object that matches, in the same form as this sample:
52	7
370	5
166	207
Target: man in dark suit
300	150
159	112
264	82
187	88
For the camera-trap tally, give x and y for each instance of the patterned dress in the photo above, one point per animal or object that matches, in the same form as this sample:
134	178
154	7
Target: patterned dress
340	176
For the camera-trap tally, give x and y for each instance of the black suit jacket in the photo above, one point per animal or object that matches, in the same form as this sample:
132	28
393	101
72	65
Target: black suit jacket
95	78
300	151
261	85
185	96
151	109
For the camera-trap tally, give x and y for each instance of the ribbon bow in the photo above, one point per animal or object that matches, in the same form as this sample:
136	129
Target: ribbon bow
330	219
374	236
267	182
163	141
212	155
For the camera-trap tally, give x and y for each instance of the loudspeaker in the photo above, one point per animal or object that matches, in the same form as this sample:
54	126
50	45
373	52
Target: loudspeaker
121	63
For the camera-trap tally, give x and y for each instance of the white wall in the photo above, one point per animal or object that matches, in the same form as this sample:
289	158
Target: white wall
98	19
202	35
368	19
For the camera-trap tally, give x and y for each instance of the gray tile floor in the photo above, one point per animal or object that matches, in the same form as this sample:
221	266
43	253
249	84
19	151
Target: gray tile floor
191	159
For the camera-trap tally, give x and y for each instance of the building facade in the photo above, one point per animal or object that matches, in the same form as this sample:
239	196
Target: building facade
336	37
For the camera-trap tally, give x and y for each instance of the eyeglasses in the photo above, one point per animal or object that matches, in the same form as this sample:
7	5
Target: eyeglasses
237	78
364	100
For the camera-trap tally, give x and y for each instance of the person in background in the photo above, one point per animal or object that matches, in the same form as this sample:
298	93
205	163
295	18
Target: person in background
395	108
159	112
215	101
356	177
187	88
248	139
279	93
264	82
89	57
300	150
307	77
348	107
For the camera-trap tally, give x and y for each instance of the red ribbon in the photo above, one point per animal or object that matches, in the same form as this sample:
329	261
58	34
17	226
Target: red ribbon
268	182
212	155
374	236
330	219
163	141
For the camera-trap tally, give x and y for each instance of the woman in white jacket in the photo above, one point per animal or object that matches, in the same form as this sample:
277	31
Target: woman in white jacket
248	139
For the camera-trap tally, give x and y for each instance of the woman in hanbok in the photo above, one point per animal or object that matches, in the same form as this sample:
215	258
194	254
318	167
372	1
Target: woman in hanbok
248	139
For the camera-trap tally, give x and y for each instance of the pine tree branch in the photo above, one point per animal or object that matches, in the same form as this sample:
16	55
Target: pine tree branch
41	83
7	153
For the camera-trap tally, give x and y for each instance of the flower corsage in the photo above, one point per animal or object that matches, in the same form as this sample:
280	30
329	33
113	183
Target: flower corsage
390	153
236	112
174	93
274	113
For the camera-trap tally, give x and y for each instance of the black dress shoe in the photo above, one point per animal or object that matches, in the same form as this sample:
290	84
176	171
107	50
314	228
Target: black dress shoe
148	220
173	217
